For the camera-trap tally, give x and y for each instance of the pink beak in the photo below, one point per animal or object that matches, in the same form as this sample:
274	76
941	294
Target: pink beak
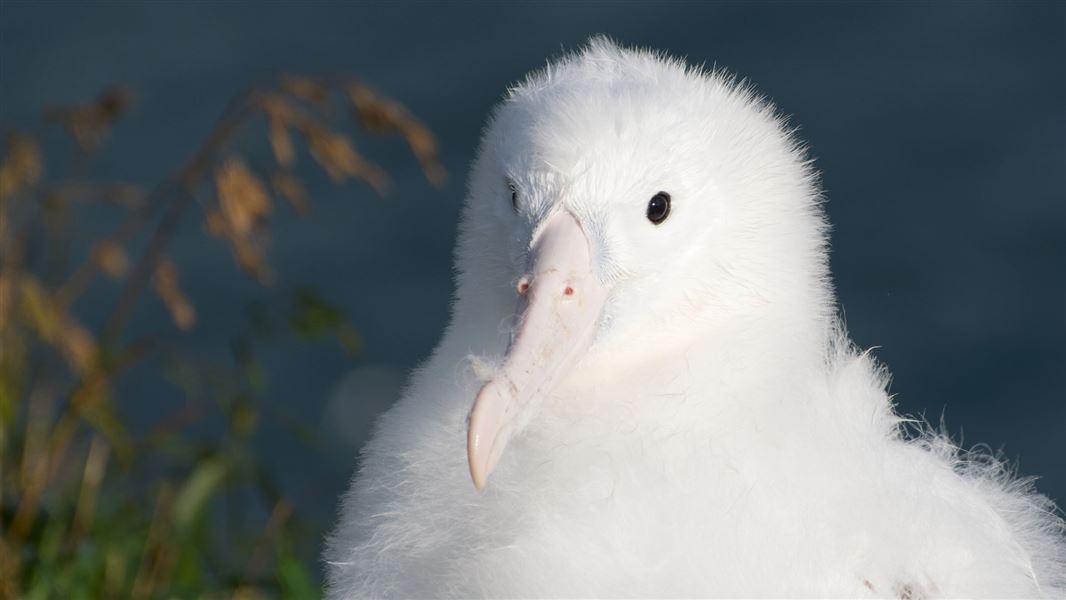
559	304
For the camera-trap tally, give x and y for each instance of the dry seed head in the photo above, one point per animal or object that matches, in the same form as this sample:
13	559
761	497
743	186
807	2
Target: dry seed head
279	115
339	158
305	88
114	101
88	124
111	258
374	112
251	259
276	107
281	143
181	310
242	196
382	115
22	164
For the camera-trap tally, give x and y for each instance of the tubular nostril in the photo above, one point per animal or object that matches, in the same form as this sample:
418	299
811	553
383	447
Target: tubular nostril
523	286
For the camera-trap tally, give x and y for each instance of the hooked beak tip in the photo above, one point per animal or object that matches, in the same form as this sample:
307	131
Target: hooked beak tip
484	428
479	481
477	470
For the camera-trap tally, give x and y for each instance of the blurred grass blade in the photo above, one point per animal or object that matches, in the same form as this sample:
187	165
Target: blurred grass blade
193	497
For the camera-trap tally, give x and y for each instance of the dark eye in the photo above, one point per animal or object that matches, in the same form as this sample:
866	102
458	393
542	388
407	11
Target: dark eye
514	194
659	207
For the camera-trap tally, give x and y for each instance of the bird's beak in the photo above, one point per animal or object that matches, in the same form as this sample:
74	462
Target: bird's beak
559	305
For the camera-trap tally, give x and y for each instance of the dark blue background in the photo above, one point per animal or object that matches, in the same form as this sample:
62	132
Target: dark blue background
940	130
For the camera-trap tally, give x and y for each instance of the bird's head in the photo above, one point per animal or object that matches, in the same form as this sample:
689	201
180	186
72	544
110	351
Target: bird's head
625	204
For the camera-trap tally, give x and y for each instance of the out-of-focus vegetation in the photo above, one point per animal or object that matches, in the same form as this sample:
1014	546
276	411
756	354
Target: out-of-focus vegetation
91	507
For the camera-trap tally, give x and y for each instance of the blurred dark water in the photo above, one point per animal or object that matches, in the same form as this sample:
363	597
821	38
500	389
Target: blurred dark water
940	130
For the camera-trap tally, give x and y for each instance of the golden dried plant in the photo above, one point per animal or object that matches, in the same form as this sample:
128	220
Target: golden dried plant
89	124
61	437
385	115
244	199
166	285
22	166
111	259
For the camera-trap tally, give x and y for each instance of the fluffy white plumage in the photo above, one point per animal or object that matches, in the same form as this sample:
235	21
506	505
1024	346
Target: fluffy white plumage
720	436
